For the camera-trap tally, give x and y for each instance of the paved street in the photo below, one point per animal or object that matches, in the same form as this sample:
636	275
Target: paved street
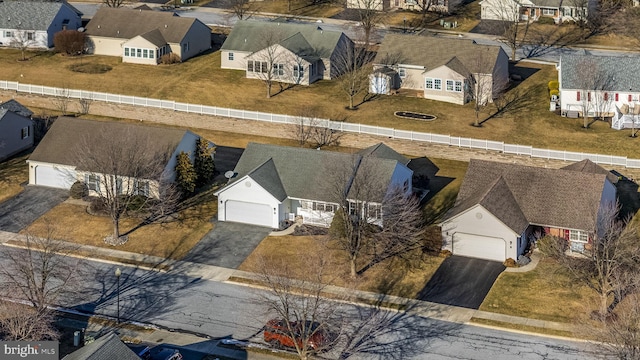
217	309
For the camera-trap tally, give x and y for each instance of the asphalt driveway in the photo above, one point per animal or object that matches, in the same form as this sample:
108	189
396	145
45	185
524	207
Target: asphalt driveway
21	210
462	281
227	245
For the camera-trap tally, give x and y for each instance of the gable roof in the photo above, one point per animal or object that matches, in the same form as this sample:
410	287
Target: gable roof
245	36
382	151
589	166
431	52
624	70
124	23
106	347
547	197
30	14
155	37
301	173
16	107
57	145
298	45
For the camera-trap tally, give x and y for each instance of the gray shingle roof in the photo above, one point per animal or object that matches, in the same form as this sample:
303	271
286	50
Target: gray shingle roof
431	52
625	70
298	45
57	145
245	36
16	107
589	166
155	37
303	172
106	347
29	15
382	151
548	197
128	23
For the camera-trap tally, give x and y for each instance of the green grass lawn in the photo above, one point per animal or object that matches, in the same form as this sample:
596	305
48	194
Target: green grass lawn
201	81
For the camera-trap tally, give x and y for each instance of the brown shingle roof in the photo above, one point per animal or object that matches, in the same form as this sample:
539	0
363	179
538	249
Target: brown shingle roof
550	197
589	166
128	23
58	145
431	52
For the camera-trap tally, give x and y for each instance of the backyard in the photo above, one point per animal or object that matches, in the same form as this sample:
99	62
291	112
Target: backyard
201	81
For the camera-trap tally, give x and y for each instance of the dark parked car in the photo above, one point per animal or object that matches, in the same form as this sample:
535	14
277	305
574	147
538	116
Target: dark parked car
277	334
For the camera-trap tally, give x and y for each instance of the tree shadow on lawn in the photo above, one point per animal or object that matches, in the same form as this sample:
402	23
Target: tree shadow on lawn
424	167
628	197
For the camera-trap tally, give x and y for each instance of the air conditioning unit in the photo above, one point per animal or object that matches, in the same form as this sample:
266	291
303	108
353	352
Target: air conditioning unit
292	216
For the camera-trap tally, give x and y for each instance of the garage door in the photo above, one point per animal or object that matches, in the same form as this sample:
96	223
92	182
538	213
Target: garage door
482	247
249	213
53	176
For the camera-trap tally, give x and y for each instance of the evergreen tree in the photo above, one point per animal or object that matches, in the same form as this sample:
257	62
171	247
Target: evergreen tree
186	176
203	163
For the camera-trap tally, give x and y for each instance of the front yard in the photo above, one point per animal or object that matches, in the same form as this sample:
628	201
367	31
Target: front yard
201	81
13	173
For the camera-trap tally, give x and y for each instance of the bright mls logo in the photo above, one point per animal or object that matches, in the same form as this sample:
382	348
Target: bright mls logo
41	350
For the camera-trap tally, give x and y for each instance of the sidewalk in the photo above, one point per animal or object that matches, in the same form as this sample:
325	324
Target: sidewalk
206	272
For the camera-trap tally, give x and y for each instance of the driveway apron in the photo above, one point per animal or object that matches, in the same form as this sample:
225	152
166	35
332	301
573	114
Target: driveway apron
21	210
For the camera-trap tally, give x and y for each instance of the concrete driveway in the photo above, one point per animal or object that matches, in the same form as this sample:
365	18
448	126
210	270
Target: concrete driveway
228	244
462	281
21	210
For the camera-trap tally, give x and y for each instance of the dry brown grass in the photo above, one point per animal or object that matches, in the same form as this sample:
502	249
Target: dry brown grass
520	327
387	277
13	172
172	239
299	7
545	293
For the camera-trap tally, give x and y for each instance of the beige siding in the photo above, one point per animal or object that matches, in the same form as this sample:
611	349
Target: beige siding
139	42
413	79
444	73
500	74
239	61
343	46
288	59
106	46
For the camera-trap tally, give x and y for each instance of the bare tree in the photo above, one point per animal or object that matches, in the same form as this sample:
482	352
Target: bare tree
360	226
20	322
244	9
325	136
370	16
22	40
619	336
511	30
114	3
266	64
595	86
311	129
352	62
84	105
608	267
302	312
481	85
40	272
127	171
61	100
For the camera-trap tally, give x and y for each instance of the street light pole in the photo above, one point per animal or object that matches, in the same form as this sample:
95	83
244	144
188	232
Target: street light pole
118	272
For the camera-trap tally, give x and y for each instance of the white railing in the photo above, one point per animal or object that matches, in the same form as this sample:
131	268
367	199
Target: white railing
336	125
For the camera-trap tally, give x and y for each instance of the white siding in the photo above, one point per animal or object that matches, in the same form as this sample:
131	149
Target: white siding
247	190
444	73
239	61
188	145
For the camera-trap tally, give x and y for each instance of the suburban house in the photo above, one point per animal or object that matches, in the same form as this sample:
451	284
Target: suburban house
442	69
52	163
604	86
108	346
500	206
32	23
274	184
533	10
16	107
16	131
292	53
443	6
145	36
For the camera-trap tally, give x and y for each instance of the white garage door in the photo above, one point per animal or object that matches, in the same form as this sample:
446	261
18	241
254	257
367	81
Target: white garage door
53	176
249	213
482	247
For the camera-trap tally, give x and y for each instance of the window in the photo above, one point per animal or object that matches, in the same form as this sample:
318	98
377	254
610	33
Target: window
589	96
126	51
141	188
138	52
577	240
320	206
548	12
8	34
145	53
630	98
278	69
606	96
374	211
250	66
616	96
185	47
298	71
31	36
428	83
230	56
458	87
437	84
402	72
93	182
353	208
24	133
578	96
449	85
265	67
151	53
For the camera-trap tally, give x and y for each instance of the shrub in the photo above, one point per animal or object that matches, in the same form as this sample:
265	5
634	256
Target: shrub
97	206
510	263
78	190
170	58
445	253
554	85
546	20
552	246
70	42
555	92
336	230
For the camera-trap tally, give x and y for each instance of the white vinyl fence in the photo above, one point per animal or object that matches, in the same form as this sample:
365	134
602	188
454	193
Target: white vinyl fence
336	125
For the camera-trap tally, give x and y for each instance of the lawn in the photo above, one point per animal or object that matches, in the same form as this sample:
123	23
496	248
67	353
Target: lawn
545	293
201	81
13	173
170	239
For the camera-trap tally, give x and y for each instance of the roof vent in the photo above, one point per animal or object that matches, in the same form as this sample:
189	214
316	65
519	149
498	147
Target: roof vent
245	39
166	26
118	32
98	26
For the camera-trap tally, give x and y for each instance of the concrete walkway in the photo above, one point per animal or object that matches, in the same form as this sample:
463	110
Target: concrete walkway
208	272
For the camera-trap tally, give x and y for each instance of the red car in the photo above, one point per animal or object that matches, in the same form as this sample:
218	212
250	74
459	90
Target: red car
277	334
